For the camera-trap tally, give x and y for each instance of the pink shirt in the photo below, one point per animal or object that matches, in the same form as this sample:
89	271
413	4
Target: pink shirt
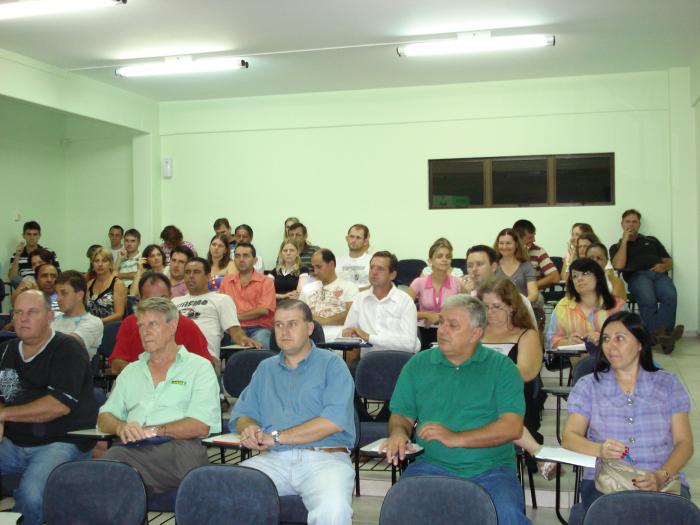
428	299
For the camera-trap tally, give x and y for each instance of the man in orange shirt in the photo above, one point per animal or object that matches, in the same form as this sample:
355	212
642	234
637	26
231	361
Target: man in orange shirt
253	294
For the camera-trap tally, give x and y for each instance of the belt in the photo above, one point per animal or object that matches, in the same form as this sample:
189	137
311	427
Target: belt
330	450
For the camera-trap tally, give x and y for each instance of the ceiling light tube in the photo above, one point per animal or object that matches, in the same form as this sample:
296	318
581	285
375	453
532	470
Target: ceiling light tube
184	65
474	43
26	8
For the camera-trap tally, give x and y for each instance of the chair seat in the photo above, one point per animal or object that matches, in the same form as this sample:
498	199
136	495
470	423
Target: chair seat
292	510
161	501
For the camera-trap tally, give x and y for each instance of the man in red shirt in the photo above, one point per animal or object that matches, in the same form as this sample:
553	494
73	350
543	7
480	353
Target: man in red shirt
128	346
253	293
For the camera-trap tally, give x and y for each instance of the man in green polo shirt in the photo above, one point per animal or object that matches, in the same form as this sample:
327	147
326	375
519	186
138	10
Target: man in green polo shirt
466	404
163	403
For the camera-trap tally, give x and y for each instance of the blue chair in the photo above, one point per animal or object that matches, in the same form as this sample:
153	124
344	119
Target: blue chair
240	368
409	269
375	379
215	494
437	500
75	494
636	506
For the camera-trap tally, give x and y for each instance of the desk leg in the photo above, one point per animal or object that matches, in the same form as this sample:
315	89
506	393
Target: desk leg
561	371
557	497
559	419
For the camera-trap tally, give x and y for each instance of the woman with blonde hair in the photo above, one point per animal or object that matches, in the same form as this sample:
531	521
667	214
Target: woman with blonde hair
289	275
106	296
431	290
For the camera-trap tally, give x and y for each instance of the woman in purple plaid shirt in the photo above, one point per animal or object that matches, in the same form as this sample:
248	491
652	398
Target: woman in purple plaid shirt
630	410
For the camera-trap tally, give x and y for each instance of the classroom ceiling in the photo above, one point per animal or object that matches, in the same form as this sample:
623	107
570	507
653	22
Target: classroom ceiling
592	37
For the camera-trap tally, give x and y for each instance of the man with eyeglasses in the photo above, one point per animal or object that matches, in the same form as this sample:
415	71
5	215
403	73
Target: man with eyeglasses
298	412
482	262
45	392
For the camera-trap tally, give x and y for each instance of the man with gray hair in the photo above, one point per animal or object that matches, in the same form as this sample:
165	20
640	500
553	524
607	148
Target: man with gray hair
45	392
466	403
163	403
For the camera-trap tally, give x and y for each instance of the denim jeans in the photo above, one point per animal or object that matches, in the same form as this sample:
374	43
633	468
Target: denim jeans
501	483
324	480
34	464
656	296
260	334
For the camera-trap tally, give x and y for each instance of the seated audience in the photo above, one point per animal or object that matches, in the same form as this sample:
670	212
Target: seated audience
128	346
172	236
223	227
578	317
482	263
466	405
106	293
219	257
329	297
116	236
571	247
514	264
306	433
354	267
297	233
431	290
289	275
582	243
628	408
46	391
213	312
253	293
244	233
383	315
599	253
169	395
74	319
128	260
645	264
179	257
20	265
152	260
511	331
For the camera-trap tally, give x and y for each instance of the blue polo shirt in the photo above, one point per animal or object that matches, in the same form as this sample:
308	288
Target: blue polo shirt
279	397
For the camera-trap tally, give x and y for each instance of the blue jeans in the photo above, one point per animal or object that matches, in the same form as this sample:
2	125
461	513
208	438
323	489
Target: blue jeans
34	464
260	334
589	494
656	296
501	483
324	480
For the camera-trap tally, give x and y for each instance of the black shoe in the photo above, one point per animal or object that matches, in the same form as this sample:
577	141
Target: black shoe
667	343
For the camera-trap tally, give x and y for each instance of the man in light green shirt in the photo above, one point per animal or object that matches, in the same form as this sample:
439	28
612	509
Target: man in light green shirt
162	404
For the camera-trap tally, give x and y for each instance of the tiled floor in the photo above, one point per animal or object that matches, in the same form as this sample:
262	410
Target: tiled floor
685	362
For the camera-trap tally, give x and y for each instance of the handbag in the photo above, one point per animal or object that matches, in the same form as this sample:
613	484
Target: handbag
615	476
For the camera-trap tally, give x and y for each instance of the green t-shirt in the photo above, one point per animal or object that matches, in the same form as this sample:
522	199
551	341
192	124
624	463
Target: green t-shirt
463	397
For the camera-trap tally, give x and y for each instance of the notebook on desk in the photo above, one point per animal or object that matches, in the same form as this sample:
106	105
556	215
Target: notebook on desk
232	438
379	447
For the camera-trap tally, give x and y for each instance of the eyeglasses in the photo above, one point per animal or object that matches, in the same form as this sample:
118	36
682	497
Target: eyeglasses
580	275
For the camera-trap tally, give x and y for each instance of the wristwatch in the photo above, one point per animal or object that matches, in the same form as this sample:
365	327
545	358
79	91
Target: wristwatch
276	436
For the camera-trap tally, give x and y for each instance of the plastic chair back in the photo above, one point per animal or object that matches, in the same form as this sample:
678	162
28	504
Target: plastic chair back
240	368
637	506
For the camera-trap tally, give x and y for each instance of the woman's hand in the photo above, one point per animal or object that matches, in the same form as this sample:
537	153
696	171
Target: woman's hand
650	481
613	449
431	318
593	337
142	262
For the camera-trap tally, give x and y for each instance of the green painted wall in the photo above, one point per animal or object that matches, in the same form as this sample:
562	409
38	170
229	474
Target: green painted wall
338	158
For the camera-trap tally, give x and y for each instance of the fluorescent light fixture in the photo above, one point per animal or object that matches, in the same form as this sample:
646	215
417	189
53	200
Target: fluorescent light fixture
478	42
25	8
183	65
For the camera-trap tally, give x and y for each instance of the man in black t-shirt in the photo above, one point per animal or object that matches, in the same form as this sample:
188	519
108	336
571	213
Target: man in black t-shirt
45	392
645	264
